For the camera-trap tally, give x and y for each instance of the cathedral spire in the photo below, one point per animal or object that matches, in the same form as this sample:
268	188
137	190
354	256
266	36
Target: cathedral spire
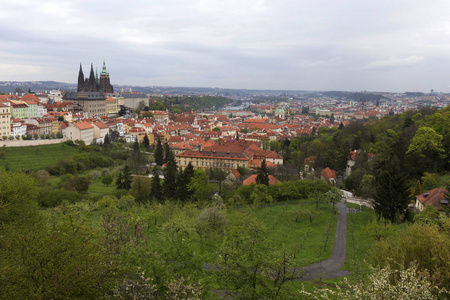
92	84
80	79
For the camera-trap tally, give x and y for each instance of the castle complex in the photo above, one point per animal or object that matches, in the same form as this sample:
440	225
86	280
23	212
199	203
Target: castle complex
90	95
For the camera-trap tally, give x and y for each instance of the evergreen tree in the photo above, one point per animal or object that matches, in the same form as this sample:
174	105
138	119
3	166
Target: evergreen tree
159	154
156	190
167	152
170	184
341	126
124	179
392	196
137	159
183	179
332	119
146	142
107	140
262	174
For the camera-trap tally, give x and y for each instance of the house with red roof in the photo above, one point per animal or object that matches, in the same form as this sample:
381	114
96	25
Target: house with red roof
80	131
252	179
308	162
100	131
329	176
435	197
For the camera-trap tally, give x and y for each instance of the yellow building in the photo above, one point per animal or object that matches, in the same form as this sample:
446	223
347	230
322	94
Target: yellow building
5	120
213	159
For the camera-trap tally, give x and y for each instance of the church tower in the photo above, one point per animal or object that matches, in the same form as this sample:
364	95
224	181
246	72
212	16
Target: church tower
92	84
105	85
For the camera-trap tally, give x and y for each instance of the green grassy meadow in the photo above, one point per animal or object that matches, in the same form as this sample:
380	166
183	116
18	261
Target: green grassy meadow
35	157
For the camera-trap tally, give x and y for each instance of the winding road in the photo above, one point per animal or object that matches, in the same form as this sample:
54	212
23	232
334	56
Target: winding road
331	268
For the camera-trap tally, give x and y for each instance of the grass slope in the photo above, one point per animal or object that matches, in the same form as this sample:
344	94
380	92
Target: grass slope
35	157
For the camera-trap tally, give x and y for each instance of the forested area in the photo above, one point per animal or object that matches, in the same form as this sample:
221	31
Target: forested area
95	225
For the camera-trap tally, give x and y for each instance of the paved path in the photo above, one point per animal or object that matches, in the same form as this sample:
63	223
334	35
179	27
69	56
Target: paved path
331	268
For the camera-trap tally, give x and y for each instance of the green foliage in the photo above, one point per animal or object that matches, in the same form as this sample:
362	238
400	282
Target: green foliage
159	154
57	260
170	177
429	215
156	189
107	179
392	197
418	243
200	186
78	183
249	263
429	181
262	176
54	197
379	228
140	189
18	193
27	158
123	181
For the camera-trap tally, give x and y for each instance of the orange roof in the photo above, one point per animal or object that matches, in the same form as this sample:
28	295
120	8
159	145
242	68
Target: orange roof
101	125
252	179
327	174
30	97
83	125
433	197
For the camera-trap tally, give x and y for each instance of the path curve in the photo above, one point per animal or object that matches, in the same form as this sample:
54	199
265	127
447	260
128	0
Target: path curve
331	268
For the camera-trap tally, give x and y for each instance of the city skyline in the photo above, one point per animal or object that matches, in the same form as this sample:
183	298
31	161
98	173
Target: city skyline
287	45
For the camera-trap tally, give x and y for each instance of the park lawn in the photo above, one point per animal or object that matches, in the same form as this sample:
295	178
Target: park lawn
289	226
97	188
35	157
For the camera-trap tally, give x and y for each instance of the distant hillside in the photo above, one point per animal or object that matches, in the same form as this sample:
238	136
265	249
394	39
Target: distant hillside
356	96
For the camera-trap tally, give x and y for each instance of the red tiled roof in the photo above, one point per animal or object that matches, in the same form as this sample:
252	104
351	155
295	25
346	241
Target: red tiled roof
252	179
101	125
433	197
327	174
83	125
30	97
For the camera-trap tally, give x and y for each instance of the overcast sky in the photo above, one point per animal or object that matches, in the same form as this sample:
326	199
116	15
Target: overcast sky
394	45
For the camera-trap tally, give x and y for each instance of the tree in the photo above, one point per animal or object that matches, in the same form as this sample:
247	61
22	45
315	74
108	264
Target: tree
156	189
183	179
136	159
146	142
106	140
18	203
262	176
200	186
169	184
391	197
429	215
58	259
421	244
167	152
159	154
217	129
78	183
386	283
218	175
140	189
334	196
379	228
124	180
107	179
426	150
249	265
